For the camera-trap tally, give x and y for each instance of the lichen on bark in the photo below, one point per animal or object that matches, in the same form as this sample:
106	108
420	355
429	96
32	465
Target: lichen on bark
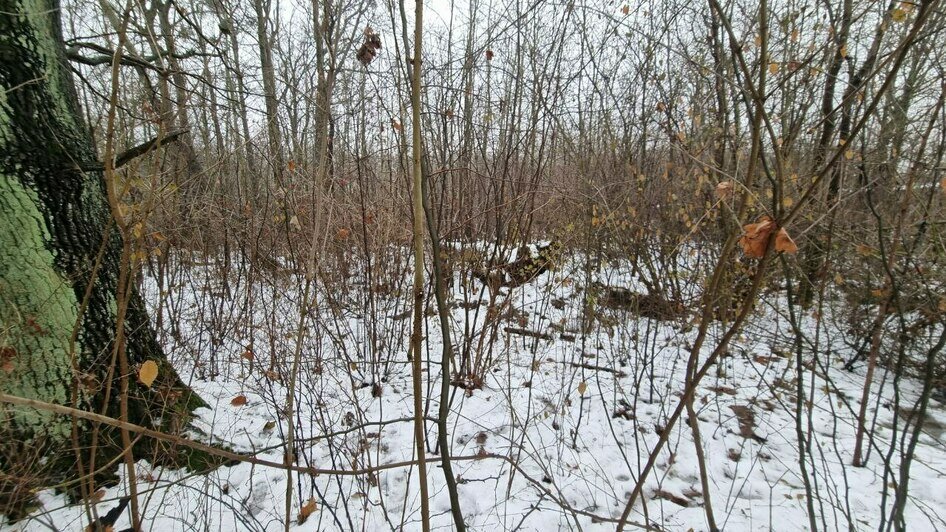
38	311
38	308
55	227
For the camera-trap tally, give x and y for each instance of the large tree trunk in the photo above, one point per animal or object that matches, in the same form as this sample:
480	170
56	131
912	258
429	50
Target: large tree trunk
55	225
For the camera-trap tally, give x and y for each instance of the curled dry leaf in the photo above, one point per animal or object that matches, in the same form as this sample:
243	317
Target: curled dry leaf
306	510
239	400
343	233
756	237
582	387
784	243
148	372
725	190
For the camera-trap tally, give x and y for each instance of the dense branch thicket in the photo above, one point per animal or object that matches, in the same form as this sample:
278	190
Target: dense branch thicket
731	157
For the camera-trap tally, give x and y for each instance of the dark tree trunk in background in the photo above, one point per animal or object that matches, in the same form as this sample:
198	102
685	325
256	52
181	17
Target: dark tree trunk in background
54	221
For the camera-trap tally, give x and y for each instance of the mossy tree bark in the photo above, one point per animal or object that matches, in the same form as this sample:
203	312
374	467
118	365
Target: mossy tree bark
60	253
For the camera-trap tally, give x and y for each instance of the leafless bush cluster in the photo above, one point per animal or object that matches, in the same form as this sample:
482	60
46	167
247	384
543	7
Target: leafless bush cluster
298	181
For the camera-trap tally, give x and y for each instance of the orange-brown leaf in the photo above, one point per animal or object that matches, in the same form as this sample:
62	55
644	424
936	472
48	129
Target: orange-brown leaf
239	400
756	237
784	243
148	372
306	510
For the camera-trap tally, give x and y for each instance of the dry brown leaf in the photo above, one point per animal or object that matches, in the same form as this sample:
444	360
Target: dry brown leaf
306	510
725	190
7	354
239	400
784	243
582	387
756	237
148	372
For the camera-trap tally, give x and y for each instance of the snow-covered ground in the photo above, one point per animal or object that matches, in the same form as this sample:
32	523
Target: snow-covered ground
554	440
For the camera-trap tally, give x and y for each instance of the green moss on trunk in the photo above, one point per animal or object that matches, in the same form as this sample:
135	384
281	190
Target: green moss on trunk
54	222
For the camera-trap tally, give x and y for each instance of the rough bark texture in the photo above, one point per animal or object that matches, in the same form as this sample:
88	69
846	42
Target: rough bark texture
54	220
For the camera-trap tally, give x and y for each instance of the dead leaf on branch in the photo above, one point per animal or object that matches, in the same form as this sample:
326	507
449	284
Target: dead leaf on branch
370	48
148	372
307	509
784	243
725	190
7	354
756	238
